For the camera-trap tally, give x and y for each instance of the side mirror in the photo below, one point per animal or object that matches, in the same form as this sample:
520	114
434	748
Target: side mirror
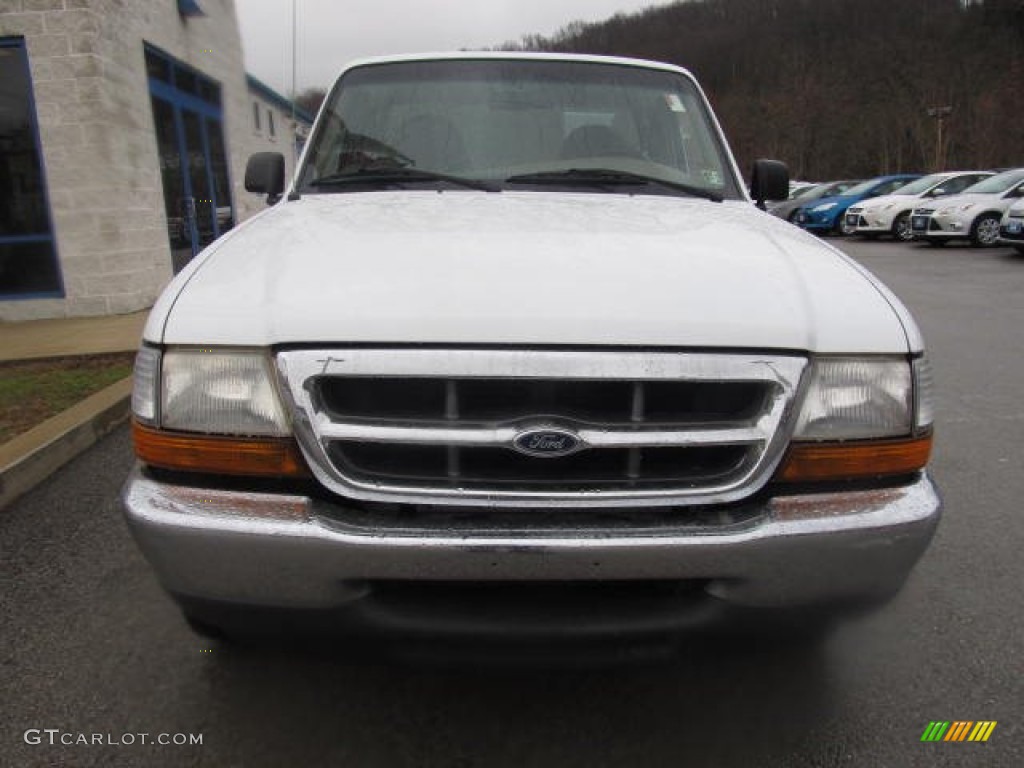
264	174
769	181
937	192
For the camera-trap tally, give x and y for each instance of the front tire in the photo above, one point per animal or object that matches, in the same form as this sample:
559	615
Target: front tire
901	230
985	231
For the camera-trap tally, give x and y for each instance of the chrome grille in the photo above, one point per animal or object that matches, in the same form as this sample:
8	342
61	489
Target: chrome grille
440	426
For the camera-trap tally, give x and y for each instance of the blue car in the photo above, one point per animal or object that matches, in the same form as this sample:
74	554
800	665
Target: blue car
827	214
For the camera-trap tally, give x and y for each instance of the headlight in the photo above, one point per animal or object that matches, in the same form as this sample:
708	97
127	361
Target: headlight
861	419
220	392
851	399
823	208
214	412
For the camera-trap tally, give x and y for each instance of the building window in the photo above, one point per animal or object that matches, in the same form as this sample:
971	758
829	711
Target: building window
189	8
28	257
256	116
270	124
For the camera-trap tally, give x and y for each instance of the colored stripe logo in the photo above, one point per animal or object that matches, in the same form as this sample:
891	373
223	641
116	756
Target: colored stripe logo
958	730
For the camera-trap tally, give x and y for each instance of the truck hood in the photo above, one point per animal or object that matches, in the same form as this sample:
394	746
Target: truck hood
526	268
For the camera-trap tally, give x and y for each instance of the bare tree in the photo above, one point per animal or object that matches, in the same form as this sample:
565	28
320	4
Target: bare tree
839	87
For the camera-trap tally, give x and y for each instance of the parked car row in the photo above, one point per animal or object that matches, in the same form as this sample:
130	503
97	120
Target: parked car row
891	214
980	206
829	213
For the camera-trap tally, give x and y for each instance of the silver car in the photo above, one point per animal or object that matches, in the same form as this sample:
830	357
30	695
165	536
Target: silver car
973	215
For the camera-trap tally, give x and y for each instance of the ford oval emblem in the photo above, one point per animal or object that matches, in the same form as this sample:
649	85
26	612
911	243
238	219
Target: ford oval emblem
547	443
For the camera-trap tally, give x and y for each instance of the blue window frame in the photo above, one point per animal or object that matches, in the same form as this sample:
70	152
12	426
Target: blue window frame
28	254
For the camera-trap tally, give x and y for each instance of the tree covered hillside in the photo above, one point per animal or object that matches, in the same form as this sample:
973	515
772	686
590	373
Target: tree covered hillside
840	88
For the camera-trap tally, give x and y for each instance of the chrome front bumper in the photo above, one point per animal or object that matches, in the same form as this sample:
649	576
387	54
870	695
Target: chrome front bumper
288	551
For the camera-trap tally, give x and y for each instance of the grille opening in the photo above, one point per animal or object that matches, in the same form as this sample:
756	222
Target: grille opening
497	400
599	468
418	399
668	401
383	398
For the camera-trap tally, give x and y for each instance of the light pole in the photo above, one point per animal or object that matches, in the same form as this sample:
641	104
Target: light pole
940	114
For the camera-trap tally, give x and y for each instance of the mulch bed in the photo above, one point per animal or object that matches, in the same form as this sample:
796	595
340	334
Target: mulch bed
33	391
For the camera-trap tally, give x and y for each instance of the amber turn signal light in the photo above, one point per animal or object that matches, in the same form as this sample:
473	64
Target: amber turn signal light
820	462
256	456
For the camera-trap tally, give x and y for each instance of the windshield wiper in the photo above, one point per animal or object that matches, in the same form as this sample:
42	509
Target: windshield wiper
607	177
397	175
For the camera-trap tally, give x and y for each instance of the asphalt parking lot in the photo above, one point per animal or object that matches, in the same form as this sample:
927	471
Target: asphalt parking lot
90	645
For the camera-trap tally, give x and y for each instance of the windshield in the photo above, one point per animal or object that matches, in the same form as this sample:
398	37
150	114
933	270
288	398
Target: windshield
921	186
806	191
836	188
995	185
492	119
862	188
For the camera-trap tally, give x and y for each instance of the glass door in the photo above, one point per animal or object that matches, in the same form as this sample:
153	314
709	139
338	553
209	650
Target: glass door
193	159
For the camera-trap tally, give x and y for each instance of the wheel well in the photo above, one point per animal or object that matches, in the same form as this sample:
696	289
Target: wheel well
983	214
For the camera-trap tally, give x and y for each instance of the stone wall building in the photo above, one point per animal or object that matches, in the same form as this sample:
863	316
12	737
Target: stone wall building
125	126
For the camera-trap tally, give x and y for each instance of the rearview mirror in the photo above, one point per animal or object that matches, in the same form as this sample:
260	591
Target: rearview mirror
769	181
264	174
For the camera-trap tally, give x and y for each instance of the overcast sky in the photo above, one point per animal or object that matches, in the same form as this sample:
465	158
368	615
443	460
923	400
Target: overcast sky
332	32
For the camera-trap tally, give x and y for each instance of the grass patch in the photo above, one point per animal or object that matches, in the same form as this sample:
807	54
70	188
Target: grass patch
33	391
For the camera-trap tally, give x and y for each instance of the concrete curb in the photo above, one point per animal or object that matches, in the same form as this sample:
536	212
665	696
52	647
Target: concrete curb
32	457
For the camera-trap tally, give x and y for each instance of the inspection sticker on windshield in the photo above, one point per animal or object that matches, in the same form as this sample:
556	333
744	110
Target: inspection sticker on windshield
712	177
674	102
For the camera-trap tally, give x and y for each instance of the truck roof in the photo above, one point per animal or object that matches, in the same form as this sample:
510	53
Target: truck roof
514	56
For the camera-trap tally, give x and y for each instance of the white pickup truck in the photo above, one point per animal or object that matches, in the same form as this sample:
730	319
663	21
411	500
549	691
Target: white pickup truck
516	354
